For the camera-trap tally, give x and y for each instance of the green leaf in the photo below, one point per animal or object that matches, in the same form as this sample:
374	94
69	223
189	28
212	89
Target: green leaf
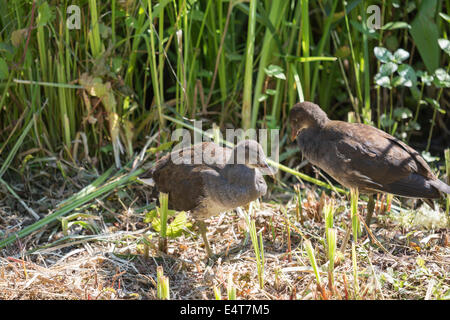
196	15
175	228
385	121
388	68
441	78
395	25
371	33
161	147
424	32
150	215
428	157
426	78
414	125
263	97
444	16
435	104
401	55
18	37
407	75
45	14
445	45
382	80
275	71
4	72
383	54
402	113
178	225
398	81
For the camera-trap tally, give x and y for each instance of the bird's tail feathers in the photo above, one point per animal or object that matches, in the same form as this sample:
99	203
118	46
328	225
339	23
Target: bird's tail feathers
441	186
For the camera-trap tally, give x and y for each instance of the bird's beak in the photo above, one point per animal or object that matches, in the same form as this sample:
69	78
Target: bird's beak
293	135
266	169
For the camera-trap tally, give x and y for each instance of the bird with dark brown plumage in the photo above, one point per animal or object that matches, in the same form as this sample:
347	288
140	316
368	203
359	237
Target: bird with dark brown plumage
207	179
361	156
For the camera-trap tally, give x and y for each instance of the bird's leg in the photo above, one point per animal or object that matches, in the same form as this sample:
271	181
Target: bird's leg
202	228
370	209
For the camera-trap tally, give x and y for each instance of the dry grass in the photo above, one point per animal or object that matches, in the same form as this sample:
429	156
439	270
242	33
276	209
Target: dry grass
108	260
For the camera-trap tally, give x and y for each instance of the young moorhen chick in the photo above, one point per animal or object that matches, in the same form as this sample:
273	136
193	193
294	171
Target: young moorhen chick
361	156
211	179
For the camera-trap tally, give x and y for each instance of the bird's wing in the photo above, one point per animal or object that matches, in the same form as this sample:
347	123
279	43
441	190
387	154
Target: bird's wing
377	157
184	184
183	173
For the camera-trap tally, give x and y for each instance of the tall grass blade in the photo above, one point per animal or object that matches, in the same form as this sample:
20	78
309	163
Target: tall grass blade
248	75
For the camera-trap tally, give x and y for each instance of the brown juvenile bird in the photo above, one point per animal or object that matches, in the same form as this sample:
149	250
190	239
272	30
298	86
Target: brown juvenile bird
361	156
207	179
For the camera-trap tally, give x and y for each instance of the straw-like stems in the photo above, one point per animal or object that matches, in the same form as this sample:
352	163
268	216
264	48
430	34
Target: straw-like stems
163	211
92	191
330	233
354	195
331	242
258	245
298	207
447	171
312	259
231	289
217	293
328	211
389	198
162	281
248	75
288	232
355	271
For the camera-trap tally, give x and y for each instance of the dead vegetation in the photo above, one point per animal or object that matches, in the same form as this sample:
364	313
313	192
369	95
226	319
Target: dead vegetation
102	254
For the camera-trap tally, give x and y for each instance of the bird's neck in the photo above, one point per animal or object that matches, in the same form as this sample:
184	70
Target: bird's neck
242	185
308	141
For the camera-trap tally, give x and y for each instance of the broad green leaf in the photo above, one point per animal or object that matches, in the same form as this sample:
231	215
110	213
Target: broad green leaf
424	32
176	227
383	54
